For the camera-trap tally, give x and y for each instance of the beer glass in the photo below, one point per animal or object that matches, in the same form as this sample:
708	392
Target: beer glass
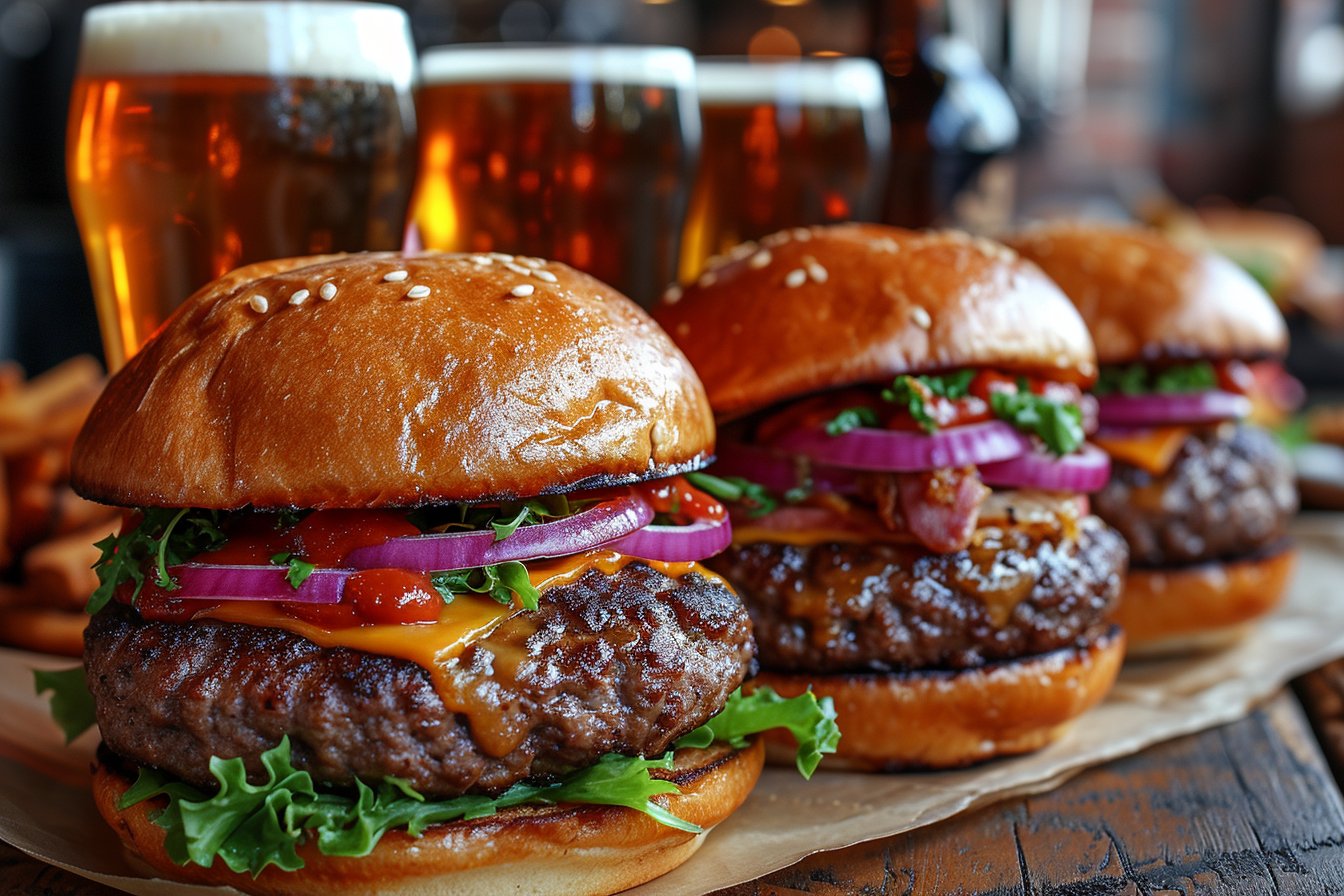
582	154
208	135
787	142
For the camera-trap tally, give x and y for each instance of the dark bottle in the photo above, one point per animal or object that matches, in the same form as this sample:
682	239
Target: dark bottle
948	113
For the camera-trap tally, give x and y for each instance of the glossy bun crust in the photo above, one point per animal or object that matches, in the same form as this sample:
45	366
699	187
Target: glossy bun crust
577	850
1145	298
1177	611
939	720
511	377
815	308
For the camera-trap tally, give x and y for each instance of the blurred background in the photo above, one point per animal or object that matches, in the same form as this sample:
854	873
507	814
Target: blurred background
1000	110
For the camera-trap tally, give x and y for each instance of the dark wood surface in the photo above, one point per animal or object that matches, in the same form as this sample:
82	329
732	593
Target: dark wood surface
1249	808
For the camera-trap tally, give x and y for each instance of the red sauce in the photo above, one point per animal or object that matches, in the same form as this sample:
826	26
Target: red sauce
676	498
393	596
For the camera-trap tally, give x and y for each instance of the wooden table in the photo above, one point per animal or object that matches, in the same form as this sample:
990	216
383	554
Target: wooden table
1250	808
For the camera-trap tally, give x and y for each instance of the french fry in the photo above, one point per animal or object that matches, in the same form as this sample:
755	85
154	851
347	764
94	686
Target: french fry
58	573
70	382
48	631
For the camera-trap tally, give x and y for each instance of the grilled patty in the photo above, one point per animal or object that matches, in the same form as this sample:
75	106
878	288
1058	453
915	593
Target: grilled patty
1229	492
623	663
842	607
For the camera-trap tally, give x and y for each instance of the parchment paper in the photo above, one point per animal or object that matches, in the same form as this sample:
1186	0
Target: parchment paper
45	809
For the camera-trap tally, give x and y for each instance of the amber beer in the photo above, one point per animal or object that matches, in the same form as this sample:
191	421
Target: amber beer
204	136
786	143
581	154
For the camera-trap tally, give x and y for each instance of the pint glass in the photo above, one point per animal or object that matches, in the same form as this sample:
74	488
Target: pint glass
207	135
786	143
581	154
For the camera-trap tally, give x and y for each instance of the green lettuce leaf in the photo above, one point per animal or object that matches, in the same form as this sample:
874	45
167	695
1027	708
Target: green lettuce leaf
810	720
71	702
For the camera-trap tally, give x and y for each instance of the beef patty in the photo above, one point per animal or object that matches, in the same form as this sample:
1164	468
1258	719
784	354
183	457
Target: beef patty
841	607
1228	493
624	663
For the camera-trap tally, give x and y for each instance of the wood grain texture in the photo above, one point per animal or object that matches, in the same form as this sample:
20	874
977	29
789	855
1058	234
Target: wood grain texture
1250	808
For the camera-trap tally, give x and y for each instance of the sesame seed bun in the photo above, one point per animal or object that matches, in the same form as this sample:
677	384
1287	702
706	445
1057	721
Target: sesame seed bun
592	850
421	378
948	719
815	308
1147	299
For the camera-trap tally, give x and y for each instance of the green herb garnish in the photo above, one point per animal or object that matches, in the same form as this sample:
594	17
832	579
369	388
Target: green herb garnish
168	536
253	826
1139	379
298	570
851	419
500	581
736	489
1057	424
71	702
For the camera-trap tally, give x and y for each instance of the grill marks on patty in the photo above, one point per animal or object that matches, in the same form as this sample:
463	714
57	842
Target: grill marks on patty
1228	493
624	663
841	607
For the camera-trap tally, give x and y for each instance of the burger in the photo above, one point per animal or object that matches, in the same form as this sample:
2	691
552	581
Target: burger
1186	339
902	450
407	592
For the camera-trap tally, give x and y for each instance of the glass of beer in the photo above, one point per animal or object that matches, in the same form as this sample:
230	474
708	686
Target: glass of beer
208	135
787	143
582	154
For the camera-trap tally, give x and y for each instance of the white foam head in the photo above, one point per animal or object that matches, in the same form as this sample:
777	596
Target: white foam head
354	41
826	81
671	67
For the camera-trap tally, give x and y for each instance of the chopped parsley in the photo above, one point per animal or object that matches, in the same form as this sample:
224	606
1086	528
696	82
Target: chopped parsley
298	569
1058	425
1140	379
850	419
753	495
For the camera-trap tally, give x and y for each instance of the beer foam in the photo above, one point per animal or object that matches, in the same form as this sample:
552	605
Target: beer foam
831	81
350	41
511	64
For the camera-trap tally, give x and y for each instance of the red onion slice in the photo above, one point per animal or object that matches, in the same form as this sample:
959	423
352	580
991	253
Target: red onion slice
1193	407
898	451
592	528
217	580
1086	470
677	544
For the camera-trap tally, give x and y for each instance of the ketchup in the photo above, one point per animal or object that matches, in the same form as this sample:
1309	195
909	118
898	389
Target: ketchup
684	503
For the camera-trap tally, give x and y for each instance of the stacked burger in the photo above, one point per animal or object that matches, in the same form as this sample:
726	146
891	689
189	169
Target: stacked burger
407	594
903	451
1185	340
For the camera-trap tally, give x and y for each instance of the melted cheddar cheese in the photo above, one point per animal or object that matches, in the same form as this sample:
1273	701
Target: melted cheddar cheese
1152	450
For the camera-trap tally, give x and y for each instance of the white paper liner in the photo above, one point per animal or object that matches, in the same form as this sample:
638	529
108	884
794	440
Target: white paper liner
46	811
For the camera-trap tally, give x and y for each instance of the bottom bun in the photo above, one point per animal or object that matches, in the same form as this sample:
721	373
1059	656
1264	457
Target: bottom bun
947	719
1185	610
586	849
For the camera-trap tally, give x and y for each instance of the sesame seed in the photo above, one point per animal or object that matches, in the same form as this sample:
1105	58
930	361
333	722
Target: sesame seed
672	295
796	277
327	292
546	276
886	244
533	262
761	259
419	291
299	297
500	256
517	268
817	272
921	317
802	234
708	278
741	251
522	290
395	276
259	304
482	259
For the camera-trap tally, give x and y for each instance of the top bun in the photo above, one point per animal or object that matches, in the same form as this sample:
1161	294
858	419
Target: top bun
821	307
1147	299
422	378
